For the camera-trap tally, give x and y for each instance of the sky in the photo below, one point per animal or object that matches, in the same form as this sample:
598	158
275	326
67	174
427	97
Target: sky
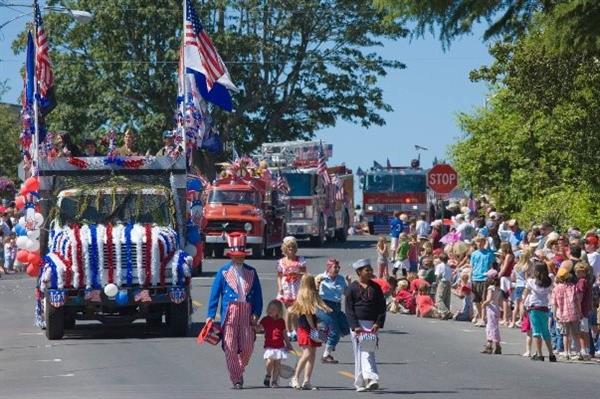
425	96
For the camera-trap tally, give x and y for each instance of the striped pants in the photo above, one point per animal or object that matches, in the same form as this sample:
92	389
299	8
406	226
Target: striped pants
238	339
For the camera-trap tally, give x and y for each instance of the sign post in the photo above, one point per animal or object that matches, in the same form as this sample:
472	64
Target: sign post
442	179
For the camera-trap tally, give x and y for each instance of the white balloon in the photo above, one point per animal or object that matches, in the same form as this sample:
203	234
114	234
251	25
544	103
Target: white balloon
111	290
30	213
39	219
191	250
22	242
33	245
34	234
22	221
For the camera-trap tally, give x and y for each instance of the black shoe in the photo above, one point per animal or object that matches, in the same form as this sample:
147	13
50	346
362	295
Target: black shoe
498	350
238	385
267	381
552	359
537	357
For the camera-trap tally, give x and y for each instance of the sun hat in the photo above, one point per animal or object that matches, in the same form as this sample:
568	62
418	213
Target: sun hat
512	222
493	215
437	222
562	272
359	264
592	240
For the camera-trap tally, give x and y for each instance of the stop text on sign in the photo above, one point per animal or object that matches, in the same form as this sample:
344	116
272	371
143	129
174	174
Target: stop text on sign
442	178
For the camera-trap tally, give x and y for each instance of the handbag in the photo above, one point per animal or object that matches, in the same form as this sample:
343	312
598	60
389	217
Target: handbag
319	334
211	333
367	341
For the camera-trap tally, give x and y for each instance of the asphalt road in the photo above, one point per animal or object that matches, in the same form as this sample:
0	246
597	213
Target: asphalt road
418	358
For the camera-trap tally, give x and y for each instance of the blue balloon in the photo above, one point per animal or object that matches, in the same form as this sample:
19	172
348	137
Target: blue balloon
194	185
122	298
193	235
20	230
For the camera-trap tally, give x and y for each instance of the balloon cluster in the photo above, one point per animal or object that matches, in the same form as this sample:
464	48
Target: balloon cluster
29	227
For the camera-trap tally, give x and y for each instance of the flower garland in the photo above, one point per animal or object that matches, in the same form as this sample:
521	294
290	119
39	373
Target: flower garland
156	256
93	256
128	260
85	240
147	254
117	233
57	270
101	231
77	256
139	254
128	163
110	251
180	268
163	262
78	162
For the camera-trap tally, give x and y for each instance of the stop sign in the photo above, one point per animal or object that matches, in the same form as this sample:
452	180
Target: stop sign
442	178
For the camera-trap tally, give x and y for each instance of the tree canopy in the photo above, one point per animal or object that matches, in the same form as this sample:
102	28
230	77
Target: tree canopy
570	24
300	66
534	148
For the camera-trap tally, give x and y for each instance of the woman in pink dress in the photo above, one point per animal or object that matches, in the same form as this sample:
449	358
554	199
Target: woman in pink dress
290	270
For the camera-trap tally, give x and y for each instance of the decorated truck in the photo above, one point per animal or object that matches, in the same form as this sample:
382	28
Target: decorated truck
113	242
245	200
321	198
390	189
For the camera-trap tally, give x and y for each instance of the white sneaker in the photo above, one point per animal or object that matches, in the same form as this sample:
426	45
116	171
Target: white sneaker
361	389
526	354
373	385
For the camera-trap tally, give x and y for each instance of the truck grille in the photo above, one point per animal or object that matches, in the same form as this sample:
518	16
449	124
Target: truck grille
217	226
134	256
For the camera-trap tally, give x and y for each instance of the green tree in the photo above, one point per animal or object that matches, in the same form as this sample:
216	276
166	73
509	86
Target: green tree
300	66
535	146
9	136
570	24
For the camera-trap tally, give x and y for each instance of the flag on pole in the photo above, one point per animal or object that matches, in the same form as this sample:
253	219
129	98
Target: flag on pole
377	165
389	164
203	61
43	67
29	72
322	166
281	184
234	152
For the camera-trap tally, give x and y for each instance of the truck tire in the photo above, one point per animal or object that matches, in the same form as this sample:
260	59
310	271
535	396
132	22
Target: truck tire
269	253
197	271
371	228
55	320
179	318
320	239
154	321
69	322
345	226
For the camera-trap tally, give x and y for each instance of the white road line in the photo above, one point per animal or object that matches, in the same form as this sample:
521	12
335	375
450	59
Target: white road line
59	375
31	333
49	360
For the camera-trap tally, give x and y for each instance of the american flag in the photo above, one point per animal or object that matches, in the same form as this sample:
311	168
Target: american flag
322	166
197	37
281	184
43	70
339	188
93	296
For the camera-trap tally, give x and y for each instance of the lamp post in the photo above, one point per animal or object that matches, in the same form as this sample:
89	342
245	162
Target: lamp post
78	15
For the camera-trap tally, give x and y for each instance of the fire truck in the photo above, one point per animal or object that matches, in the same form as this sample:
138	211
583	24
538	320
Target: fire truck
320	208
390	189
245	204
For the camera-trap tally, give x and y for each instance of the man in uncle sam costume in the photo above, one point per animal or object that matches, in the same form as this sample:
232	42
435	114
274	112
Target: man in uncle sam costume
237	286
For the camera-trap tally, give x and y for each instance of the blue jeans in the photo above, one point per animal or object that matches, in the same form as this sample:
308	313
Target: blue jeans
557	338
336	321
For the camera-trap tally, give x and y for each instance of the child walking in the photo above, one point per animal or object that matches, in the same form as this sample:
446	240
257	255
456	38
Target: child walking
383	251
492	308
307	303
537	292
276	341
402	255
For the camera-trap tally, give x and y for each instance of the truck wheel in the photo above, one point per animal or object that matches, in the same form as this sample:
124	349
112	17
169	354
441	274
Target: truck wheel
55	320
269	253
179	318
371	228
342	234
69	322
197	271
320	239
154	321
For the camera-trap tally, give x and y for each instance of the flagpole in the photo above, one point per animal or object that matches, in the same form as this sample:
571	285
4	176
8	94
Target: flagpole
184	82
36	125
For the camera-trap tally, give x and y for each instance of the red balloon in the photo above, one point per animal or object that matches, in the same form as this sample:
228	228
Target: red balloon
23	256
33	271
32	184
34	258
23	190
20	202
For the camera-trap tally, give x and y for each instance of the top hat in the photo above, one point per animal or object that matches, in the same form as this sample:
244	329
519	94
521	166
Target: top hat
237	245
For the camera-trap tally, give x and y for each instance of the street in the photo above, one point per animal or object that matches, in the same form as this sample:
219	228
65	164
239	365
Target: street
419	358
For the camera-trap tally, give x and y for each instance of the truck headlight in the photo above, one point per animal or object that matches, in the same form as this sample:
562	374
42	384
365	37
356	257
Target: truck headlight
308	212
370	207
248	227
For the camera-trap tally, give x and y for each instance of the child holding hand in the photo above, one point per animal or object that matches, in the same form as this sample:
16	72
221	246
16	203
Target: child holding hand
277	342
